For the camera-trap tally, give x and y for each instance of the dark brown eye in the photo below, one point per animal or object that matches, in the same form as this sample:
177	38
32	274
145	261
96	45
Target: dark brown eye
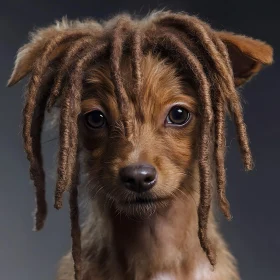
178	116
95	119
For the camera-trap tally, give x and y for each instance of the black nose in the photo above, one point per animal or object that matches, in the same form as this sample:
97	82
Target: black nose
138	177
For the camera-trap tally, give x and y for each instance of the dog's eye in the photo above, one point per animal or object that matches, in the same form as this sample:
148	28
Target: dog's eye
178	116
95	119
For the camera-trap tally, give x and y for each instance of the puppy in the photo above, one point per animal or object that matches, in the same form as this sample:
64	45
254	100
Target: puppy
142	105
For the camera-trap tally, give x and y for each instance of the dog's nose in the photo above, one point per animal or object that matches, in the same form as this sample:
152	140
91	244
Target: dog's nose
138	177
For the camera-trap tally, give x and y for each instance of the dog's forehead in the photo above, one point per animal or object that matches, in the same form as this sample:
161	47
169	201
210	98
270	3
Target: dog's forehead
161	82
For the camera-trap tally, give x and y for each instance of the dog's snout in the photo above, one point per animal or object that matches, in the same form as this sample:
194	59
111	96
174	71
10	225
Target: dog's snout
138	177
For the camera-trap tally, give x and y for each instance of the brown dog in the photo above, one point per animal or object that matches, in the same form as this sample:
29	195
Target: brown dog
143	105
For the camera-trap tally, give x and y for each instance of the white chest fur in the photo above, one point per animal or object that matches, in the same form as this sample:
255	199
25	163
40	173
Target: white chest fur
164	276
203	271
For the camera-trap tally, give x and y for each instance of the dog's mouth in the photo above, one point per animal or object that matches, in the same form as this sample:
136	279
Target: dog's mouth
142	206
145	200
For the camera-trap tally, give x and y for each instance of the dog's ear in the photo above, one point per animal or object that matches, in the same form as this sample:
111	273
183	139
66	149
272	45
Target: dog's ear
247	55
28	53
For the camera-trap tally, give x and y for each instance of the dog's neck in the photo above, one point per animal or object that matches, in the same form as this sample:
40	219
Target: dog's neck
164	246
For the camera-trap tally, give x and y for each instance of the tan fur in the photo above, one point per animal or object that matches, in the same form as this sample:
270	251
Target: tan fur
167	239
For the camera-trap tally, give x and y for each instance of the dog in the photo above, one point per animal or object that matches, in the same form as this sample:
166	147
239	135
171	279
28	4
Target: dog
143	104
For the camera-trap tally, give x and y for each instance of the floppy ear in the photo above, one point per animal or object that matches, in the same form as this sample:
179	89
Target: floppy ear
247	55
28	53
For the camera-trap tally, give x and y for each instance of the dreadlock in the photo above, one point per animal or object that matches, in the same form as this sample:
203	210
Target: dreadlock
119	36
184	38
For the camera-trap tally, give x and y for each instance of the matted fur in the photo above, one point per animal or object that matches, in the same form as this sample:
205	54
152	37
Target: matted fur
205	64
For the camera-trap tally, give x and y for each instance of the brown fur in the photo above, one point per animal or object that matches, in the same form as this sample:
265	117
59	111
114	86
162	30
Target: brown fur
134	71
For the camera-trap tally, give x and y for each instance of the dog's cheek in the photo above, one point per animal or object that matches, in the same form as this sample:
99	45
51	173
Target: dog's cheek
94	148
175	157
180	150
113	157
169	177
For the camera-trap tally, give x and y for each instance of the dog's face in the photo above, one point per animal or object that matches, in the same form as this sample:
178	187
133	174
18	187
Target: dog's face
142	171
139	168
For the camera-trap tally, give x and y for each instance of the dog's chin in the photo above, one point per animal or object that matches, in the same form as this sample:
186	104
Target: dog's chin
141	207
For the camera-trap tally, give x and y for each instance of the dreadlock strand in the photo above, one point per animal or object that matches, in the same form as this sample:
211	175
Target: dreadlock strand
220	146
243	138
35	158
36	169
38	172
137	54
67	153
136	59
207	115
76	91
117	46
68	124
65	148
73	51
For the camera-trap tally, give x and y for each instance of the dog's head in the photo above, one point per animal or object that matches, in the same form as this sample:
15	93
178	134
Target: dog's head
145	100
140	159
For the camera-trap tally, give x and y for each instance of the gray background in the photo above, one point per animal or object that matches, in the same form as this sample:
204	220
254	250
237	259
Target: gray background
253	234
